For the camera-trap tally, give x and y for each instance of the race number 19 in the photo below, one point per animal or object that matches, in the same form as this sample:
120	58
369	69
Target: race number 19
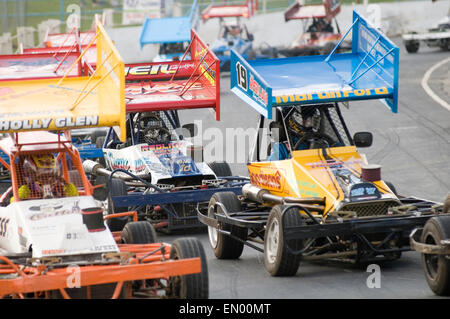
241	76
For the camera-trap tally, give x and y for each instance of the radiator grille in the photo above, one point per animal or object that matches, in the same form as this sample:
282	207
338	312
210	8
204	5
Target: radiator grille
376	208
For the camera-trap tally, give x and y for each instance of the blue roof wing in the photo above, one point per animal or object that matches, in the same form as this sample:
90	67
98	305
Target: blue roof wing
170	30
249	85
370	71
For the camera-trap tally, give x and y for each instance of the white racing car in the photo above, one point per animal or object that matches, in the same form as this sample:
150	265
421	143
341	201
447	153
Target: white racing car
438	36
157	171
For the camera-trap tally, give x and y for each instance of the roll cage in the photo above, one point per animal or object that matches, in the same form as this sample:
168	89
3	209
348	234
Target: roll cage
331	123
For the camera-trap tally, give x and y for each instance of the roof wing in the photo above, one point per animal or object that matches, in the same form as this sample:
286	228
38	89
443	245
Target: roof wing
328	9
38	65
69	102
370	71
246	10
175	85
169	30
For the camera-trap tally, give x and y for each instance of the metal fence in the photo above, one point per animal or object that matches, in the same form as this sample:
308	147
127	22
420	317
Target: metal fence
20	18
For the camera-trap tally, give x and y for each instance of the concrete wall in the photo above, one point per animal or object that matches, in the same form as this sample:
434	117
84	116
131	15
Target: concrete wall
396	18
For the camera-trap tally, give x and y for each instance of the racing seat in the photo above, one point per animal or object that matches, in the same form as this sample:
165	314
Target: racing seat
278	150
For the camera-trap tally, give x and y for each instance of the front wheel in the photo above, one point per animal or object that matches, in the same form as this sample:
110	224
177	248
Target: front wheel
437	267
193	286
278	259
226	247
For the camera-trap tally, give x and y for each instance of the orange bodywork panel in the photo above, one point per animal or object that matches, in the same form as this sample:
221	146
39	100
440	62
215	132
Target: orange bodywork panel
309	174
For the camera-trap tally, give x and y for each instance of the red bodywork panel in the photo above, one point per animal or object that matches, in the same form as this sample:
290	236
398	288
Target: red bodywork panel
328	10
38	65
245	10
175	85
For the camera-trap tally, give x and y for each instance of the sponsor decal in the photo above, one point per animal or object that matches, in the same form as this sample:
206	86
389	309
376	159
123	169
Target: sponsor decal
155	69
325	95
267	180
120	163
53	251
139	165
333	164
210	74
47	211
258	92
45	123
3	226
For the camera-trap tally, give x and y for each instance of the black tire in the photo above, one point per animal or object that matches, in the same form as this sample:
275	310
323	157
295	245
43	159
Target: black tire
412	46
436	267
117	187
96	134
99	144
226	247
279	261
193	286
100	141
220	168
141	232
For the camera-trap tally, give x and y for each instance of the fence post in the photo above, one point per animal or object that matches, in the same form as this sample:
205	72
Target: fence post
6	46
25	35
5	18
61	11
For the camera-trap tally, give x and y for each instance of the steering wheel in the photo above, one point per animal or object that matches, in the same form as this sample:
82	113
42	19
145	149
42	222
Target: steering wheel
318	138
156	134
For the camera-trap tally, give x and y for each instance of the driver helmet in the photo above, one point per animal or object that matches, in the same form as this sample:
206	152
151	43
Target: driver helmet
40	172
40	165
235	30
304	119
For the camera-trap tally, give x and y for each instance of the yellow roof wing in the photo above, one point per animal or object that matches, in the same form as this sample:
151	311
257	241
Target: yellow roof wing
69	103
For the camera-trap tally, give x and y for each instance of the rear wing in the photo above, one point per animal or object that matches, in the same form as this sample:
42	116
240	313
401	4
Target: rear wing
370	71
328	10
175	85
245	10
69	102
41	65
169	30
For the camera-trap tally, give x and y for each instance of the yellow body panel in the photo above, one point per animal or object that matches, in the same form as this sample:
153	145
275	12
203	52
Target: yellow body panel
309	174
76	102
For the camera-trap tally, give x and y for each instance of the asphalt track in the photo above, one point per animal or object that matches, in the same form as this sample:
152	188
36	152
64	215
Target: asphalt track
413	148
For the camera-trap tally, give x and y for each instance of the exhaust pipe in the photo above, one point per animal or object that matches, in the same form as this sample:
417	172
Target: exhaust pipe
97	169
262	196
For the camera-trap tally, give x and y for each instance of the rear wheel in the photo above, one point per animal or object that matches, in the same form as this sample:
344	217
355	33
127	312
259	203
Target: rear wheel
117	187
412	46
141	232
220	168
193	286
278	259
437	267
226	247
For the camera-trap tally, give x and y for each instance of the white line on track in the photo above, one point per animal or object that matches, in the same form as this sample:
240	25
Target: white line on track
429	91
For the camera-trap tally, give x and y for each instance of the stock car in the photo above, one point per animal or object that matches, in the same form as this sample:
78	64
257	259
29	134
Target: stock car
438	36
158	171
172	34
315	196
318	36
50	217
233	33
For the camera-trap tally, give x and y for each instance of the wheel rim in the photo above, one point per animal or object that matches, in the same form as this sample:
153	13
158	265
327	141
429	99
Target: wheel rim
273	241
431	260
212	231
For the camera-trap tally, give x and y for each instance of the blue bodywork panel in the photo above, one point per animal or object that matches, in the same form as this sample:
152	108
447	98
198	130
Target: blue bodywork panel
169	30
370	71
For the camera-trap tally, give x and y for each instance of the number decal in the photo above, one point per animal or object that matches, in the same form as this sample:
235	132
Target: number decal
241	76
